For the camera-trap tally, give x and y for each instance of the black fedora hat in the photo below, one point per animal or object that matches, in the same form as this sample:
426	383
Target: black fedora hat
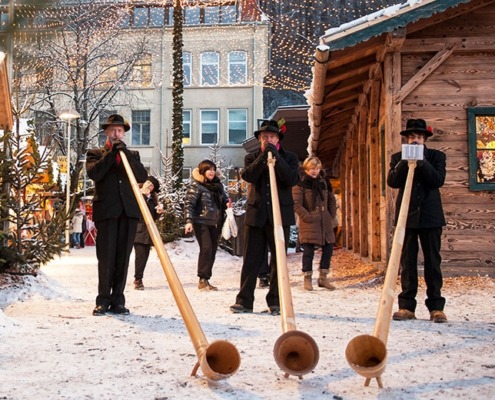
269	126
417	126
116	119
154	181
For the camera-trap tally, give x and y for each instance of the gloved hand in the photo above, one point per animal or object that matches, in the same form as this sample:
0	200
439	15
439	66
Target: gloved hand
119	146
270	148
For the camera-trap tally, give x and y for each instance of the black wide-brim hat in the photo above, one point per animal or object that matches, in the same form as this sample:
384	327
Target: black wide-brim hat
269	126
417	126
116	119
154	181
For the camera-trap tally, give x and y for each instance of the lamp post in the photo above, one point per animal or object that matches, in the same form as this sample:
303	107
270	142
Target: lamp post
68	115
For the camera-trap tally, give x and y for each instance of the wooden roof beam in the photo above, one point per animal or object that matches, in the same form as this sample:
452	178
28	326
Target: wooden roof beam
6	116
424	72
315	96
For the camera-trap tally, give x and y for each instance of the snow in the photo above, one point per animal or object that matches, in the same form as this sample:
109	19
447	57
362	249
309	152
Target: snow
51	347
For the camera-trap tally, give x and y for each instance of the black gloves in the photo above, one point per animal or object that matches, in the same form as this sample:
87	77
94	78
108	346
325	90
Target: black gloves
270	148
118	146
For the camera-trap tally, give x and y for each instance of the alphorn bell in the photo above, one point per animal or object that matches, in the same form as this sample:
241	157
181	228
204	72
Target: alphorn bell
367	354
218	360
295	352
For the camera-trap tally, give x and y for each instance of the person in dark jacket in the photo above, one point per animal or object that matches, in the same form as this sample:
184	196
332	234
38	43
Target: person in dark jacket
205	205
142	240
115	213
259	227
315	205
425	220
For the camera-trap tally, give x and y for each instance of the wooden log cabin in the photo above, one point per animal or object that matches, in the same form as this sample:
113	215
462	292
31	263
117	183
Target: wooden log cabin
433	60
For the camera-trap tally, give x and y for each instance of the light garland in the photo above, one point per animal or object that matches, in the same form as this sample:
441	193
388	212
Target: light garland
293	39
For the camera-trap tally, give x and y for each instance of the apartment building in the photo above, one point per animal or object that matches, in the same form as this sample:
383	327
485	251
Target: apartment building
225	58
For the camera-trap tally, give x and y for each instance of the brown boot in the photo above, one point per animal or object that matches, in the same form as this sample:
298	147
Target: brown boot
308	276
204	285
323	280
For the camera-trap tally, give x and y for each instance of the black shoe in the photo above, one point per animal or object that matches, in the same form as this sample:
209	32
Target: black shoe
100	310
274	310
264	282
240	309
120	309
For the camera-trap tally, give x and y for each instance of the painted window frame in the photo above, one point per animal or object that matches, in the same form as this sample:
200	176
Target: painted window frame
237	69
231	121
186	122
187	68
481	123
140	123
204	122
206	65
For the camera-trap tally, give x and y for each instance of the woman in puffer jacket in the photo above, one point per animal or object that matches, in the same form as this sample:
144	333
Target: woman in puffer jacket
205	205
315	206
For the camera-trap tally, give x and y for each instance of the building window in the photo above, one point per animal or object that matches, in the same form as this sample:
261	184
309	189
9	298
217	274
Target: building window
209	69
187	67
186	127
237	126
229	14
157	16
141	71
209	126
186	174
140	17
212	15
191	15
108	72
141	128
481	138
237	68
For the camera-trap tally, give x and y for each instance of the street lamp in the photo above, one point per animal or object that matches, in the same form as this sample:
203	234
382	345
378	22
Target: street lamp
68	116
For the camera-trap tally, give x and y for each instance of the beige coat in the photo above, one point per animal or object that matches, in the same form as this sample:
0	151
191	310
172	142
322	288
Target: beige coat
315	215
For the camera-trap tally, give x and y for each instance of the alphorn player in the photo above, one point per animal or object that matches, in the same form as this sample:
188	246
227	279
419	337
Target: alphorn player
425	220
115	213
259	214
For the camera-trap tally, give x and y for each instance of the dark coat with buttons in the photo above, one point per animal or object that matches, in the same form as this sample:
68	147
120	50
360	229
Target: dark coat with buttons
316	214
256	173
425	208
113	191
199	204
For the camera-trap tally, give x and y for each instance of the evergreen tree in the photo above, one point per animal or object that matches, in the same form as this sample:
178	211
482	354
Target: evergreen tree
177	94
29	238
171	197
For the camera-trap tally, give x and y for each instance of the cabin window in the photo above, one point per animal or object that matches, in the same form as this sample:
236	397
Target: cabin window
481	137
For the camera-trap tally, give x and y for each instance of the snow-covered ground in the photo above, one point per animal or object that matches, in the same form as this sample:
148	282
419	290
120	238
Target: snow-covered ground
51	347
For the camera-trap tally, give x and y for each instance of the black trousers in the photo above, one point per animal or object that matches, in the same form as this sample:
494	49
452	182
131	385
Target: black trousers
430	240
141	255
207	237
256	240
309	254
113	248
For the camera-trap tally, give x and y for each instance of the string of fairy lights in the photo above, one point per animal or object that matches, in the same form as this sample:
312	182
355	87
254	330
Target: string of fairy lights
295	25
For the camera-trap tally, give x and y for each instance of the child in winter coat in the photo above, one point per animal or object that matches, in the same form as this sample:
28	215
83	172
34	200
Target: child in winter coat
315	206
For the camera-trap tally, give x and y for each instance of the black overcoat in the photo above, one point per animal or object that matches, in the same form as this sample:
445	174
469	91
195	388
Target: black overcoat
113	191
256	173
425	208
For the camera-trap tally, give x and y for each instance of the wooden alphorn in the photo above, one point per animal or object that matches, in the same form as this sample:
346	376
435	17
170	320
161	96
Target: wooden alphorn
295	352
367	354
219	359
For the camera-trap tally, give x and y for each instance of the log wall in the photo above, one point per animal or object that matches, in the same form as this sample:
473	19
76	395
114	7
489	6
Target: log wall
465	79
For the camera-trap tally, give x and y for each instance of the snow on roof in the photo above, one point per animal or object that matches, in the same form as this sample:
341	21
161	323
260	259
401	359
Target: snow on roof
384	20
